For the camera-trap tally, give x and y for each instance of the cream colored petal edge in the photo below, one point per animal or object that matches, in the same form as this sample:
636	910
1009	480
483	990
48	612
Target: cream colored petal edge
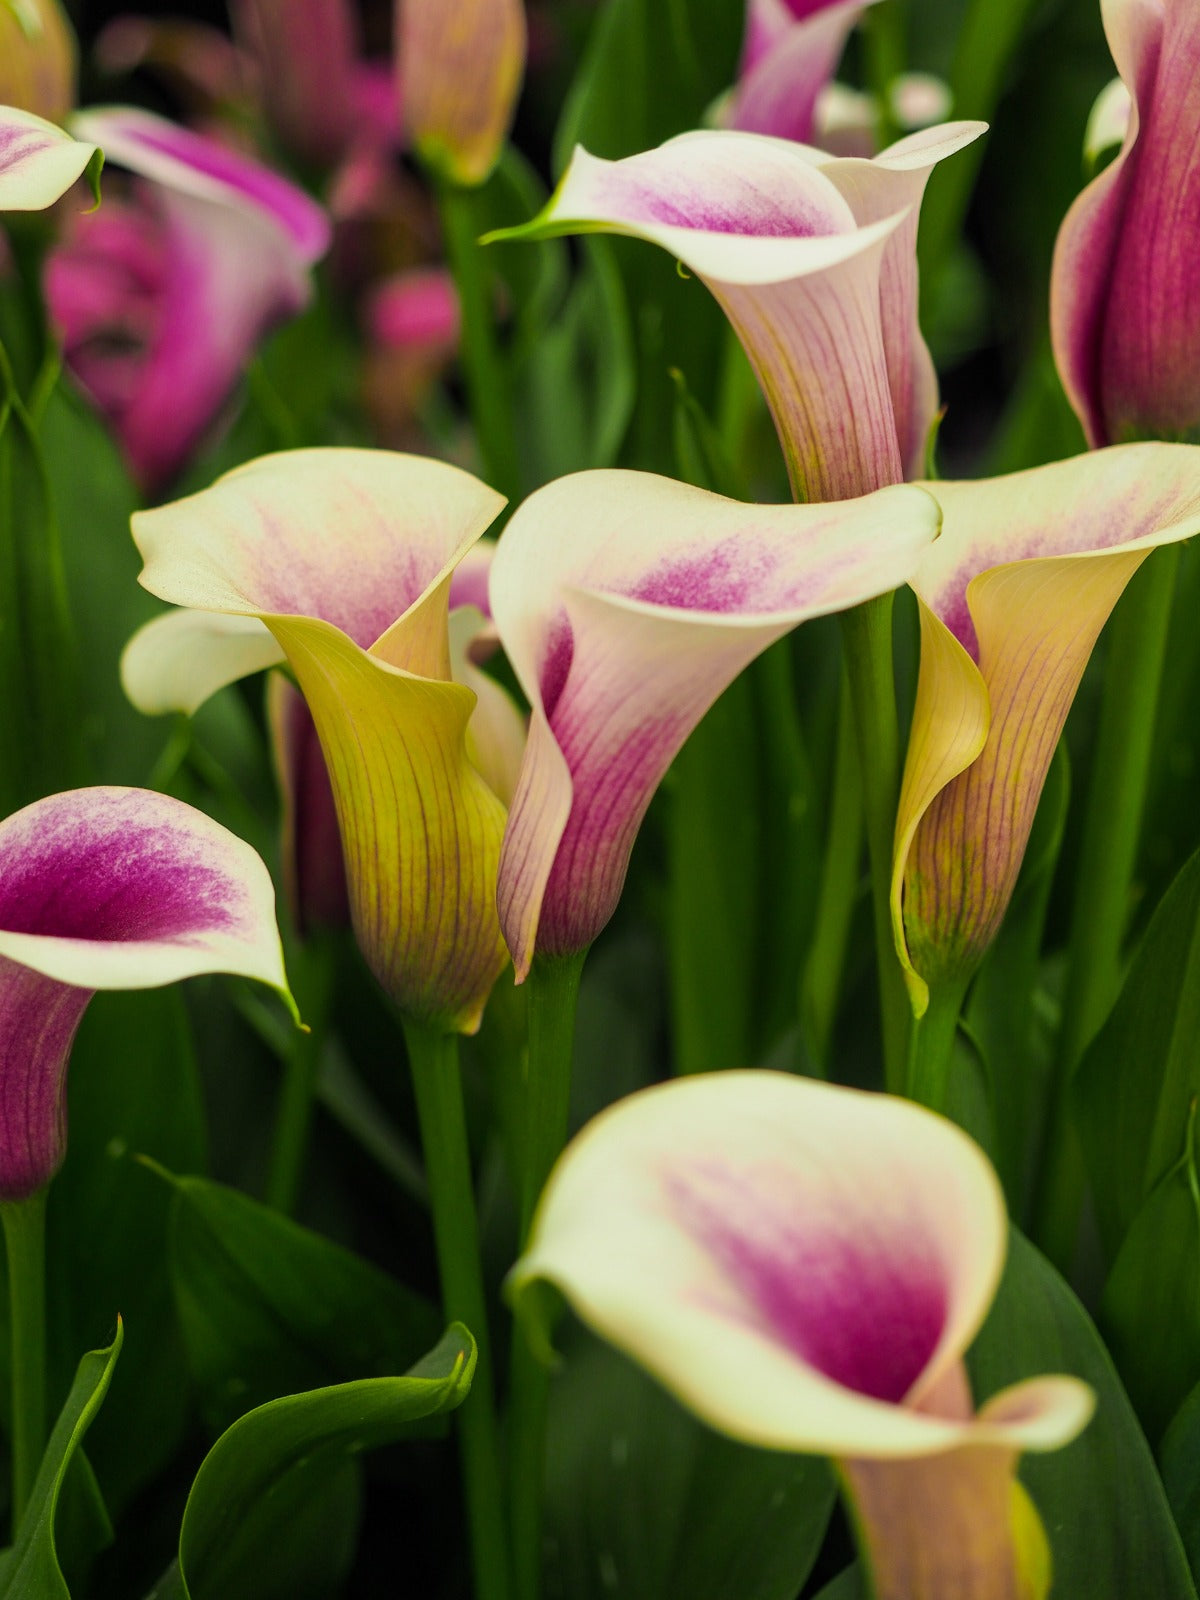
604	1233
177	661
38	161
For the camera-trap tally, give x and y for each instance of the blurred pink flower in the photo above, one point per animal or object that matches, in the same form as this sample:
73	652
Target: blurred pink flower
791	51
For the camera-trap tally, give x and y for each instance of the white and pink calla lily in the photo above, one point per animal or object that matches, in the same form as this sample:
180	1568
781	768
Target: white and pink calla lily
341	561
39	162
791	51
626	603
1125	278
108	889
1012	599
805	1267
812	257
162	296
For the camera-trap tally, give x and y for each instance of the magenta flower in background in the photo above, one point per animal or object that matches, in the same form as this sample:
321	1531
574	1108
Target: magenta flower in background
108	889
790	52
813	259
1126	275
626	603
163	294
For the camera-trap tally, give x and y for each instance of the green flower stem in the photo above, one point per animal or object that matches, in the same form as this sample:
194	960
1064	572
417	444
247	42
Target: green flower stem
931	1044
553	990
867	637
822	977
433	1061
24	1223
311	971
1108	855
886	54
483	366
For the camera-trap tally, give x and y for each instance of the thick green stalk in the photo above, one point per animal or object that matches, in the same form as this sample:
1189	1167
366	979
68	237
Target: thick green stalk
311	970
839	889
483	365
1107	857
433	1061
867	637
931	1045
553	990
24	1223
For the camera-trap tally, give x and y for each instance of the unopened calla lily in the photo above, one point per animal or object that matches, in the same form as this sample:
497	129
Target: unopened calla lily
108	889
459	72
1012	598
790	53
163	295
39	162
346	556
805	1267
812	257
1125	278
626	603
37	58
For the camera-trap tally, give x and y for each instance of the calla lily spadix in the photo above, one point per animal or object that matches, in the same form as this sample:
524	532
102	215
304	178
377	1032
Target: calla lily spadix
790	53
1012	598
626	602
108	889
346	556
805	1266
1125	280
39	162
812	258
163	294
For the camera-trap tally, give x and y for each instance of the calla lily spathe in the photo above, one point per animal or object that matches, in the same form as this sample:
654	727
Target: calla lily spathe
108	889
1126	273
812	257
340	561
791	51
39	162
1012	598
805	1266
163	296
37	58
626	603
459	71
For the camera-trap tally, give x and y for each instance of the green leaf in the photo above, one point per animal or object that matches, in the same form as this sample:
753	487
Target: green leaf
243	1510
646	1502
268	1308
1101	1499
848	1585
32	1571
1134	1089
1180	1457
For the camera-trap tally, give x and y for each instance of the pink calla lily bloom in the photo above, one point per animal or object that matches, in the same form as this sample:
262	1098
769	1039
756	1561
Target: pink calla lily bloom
626	603
1125	281
108	889
804	1266
813	259
791	51
1012	599
163	296
39	162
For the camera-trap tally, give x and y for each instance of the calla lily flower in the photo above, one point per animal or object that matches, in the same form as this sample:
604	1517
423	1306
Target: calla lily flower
37	58
39	162
108	889
1125	277
460	71
791	51
1012	598
626	603
804	1266
162	297
340	561
812	257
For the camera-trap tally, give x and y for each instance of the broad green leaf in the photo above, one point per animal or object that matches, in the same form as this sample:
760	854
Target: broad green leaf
848	1585
268	1308
645	1502
1135	1086
1101	1499
1150	1312
241	1512
32	1570
1180	1458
